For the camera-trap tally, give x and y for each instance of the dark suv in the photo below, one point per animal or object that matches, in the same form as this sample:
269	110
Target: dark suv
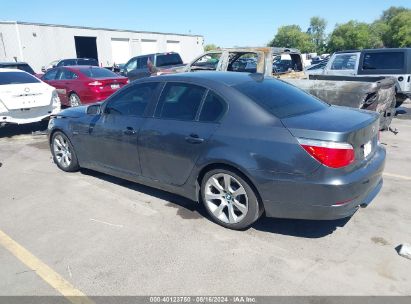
151	64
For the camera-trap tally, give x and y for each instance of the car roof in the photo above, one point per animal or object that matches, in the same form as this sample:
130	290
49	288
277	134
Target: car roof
226	78
80	67
12	70
375	50
13	63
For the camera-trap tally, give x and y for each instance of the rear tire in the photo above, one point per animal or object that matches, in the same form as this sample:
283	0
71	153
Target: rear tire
63	152
229	199
74	100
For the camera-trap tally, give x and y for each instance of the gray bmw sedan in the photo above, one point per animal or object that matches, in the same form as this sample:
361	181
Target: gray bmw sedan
242	144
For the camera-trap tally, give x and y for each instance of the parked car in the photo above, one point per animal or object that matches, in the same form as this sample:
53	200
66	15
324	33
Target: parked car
78	85
23	66
25	98
243	144
151	64
316	69
69	62
377	63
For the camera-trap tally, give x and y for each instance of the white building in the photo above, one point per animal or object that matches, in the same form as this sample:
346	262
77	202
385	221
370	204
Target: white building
39	44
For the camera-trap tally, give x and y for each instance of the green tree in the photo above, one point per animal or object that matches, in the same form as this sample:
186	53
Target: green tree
291	36
353	35
390	13
317	33
211	47
393	26
400	30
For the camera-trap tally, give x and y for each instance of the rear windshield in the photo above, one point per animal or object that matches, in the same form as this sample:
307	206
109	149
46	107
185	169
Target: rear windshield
87	62
16	78
98	73
383	61
279	98
168	59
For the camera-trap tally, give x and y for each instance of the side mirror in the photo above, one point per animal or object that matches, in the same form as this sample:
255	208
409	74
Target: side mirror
93	109
43	69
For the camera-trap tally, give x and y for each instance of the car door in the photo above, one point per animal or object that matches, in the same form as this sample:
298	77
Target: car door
110	141
171	142
50	78
63	82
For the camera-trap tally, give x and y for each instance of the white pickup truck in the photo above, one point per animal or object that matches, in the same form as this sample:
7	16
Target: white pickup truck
371	64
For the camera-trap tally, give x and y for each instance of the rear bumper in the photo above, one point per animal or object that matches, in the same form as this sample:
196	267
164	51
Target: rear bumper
324	196
28	116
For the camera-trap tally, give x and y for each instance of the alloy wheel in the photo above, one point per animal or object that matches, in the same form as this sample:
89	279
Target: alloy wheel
226	198
74	100
62	151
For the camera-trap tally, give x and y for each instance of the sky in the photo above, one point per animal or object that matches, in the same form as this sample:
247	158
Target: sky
222	22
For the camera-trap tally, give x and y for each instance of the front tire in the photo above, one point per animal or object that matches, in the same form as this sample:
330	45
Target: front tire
63	152
229	199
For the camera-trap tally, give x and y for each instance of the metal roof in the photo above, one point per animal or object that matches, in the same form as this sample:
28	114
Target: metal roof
94	28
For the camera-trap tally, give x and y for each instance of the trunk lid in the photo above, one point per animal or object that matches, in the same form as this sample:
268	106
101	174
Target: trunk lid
339	124
25	95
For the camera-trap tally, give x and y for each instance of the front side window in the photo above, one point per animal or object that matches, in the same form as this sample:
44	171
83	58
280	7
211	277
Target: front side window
132	65
344	62
180	101
213	108
50	75
207	62
66	75
132	101
383	61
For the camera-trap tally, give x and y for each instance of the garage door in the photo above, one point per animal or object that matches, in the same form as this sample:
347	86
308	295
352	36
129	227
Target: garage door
120	50
148	46
173	46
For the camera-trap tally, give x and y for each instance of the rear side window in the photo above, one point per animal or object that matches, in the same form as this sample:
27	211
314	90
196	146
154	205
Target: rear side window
132	101
83	61
180	101
383	61
213	108
16	78
98	73
344	62
168	59
279	98
67	62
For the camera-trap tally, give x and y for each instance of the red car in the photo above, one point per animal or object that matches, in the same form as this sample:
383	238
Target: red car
77	85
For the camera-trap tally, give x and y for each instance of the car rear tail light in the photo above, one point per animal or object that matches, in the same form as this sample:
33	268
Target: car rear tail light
95	83
330	154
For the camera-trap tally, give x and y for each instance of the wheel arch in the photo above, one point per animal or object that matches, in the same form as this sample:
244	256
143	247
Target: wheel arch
231	167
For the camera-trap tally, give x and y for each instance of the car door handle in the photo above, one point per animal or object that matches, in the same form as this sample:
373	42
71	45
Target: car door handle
129	131
194	139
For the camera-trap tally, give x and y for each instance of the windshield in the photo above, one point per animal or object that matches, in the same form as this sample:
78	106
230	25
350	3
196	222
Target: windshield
168	59
279	98
97	73
16	78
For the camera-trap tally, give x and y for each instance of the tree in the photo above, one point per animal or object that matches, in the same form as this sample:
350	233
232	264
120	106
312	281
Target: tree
353	35
291	36
211	47
317	33
390	13
394	25
400	30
